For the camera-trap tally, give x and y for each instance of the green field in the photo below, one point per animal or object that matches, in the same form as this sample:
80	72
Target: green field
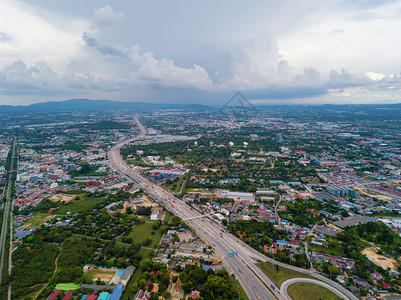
83	204
280	275
310	291
167	217
38	220
143	231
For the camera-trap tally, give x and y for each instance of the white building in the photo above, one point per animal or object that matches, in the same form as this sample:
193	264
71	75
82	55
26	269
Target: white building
155	215
239	196
219	216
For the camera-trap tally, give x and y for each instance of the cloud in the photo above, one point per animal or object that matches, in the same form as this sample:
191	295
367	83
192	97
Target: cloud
39	79
146	69
106	15
4	37
112	51
327	49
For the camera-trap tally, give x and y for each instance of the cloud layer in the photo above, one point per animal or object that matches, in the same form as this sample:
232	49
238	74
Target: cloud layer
305	52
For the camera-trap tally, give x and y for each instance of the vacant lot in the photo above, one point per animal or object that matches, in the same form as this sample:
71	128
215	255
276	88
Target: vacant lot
38	220
63	198
310	291
384	262
83	204
146	202
103	274
280	274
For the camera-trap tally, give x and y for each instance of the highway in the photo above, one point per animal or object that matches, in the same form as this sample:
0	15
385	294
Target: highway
7	206
241	265
255	283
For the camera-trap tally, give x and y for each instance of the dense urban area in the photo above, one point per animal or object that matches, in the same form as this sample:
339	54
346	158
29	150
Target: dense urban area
281	202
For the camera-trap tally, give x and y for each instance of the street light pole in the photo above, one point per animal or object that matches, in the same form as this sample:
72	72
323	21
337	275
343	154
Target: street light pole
236	283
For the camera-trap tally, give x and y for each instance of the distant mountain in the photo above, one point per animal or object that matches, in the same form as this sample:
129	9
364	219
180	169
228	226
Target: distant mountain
88	105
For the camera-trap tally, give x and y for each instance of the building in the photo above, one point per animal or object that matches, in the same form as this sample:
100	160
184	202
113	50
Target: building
55	294
104	296
142	295
376	276
239	196
123	276
195	294
155	214
68	295
278	138
341	191
127	275
117	293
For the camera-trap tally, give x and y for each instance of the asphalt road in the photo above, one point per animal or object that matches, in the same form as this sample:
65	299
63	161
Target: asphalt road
7	205
255	283
241	265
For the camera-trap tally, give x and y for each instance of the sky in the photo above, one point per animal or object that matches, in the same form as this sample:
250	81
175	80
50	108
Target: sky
202	52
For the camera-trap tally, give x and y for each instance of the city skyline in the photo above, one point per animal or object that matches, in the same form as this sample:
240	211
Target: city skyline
309	52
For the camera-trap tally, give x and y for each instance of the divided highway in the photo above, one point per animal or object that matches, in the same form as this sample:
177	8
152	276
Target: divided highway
255	283
241	265
6	215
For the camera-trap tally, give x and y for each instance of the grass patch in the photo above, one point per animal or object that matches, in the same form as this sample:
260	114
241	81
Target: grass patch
176	186
279	274
336	251
38	220
145	253
167	217
83	204
306	290
242	293
142	232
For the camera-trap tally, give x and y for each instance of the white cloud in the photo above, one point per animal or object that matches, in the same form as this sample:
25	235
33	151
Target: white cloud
106	15
32	35
375	76
39	78
145	69
266	49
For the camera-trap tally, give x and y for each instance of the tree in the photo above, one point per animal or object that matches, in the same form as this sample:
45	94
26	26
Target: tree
187	286
333	270
142	283
147	264
126	240
163	228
